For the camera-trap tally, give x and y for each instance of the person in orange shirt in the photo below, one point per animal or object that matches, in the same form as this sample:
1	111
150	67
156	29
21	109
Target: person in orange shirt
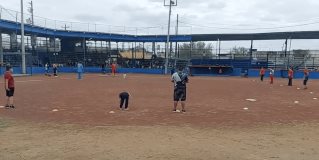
290	76
113	66
262	73
306	77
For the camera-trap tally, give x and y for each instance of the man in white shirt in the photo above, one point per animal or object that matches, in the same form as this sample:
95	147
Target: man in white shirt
179	79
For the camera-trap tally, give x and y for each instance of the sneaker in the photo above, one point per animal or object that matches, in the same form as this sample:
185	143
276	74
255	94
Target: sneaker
7	107
174	110
183	111
12	107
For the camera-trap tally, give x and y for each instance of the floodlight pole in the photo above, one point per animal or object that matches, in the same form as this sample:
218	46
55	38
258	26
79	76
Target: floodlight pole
22	41
168	35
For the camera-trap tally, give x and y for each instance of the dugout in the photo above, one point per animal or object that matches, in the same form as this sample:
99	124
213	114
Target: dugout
210	70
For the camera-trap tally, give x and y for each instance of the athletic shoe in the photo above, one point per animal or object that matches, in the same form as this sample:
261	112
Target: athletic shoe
183	111
7	107
174	110
12	107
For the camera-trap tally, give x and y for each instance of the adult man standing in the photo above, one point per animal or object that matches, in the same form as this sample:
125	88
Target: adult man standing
180	79
80	70
9	86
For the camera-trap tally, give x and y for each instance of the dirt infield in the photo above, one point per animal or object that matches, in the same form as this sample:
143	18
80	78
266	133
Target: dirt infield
211	101
216	125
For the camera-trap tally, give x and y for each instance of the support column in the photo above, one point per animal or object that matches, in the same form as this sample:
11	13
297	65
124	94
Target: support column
286	48
13	41
117	51
190	50
153	48
132	60
84	51
1	50
47	44
135	54
109	49
143	50
251	52
219	44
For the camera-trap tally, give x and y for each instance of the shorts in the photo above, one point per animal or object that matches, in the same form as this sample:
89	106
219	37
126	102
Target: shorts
180	94
10	92
305	81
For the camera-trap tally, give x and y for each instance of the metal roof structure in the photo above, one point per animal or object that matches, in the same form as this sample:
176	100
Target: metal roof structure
10	26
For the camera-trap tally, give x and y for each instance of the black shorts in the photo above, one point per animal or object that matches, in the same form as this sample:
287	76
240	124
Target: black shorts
124	95
10	92
180	94
305	80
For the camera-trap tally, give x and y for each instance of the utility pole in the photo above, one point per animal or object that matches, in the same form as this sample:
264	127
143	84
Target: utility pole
171	3
65	27
22	40
176	44
31	12
286	48
33	37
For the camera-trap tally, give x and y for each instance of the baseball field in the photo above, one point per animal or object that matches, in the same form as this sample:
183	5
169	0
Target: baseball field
227	118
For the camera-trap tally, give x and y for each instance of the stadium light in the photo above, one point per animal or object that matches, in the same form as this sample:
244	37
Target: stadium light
171	3
22	40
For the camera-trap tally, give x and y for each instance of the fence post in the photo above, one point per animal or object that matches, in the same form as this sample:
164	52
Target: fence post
0	12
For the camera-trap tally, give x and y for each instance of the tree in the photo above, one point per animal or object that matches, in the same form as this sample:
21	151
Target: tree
239	51
301	53
196	50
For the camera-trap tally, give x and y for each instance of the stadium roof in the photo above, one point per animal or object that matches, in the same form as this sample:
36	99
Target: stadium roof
10	26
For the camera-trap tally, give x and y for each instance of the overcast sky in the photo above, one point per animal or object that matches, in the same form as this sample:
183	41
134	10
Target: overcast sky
196	16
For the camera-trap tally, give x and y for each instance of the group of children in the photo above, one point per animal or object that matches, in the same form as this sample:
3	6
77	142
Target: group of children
80	70
47	70
290	75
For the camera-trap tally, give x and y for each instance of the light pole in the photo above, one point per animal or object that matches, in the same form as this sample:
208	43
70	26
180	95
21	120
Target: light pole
22	41
171	3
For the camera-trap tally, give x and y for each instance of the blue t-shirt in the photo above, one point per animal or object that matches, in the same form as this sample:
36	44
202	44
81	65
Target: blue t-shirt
80	68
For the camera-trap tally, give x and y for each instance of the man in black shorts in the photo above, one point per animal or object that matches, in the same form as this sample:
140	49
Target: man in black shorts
179	79
124	97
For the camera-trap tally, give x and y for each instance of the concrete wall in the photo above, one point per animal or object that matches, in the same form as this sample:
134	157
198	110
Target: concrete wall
41	70
236	72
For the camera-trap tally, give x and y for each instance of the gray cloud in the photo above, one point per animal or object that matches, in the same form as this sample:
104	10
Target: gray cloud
197	16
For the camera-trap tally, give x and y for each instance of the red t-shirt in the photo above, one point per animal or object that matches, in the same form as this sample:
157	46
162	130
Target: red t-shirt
8	76
113	67
290	73
262	72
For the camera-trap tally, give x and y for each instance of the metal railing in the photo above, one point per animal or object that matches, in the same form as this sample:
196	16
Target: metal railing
160	29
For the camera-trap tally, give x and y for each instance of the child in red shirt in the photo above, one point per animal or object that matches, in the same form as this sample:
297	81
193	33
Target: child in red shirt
290	76
9	86
262	73
113	69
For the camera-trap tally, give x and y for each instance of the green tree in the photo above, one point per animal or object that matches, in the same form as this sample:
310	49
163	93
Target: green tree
196	50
